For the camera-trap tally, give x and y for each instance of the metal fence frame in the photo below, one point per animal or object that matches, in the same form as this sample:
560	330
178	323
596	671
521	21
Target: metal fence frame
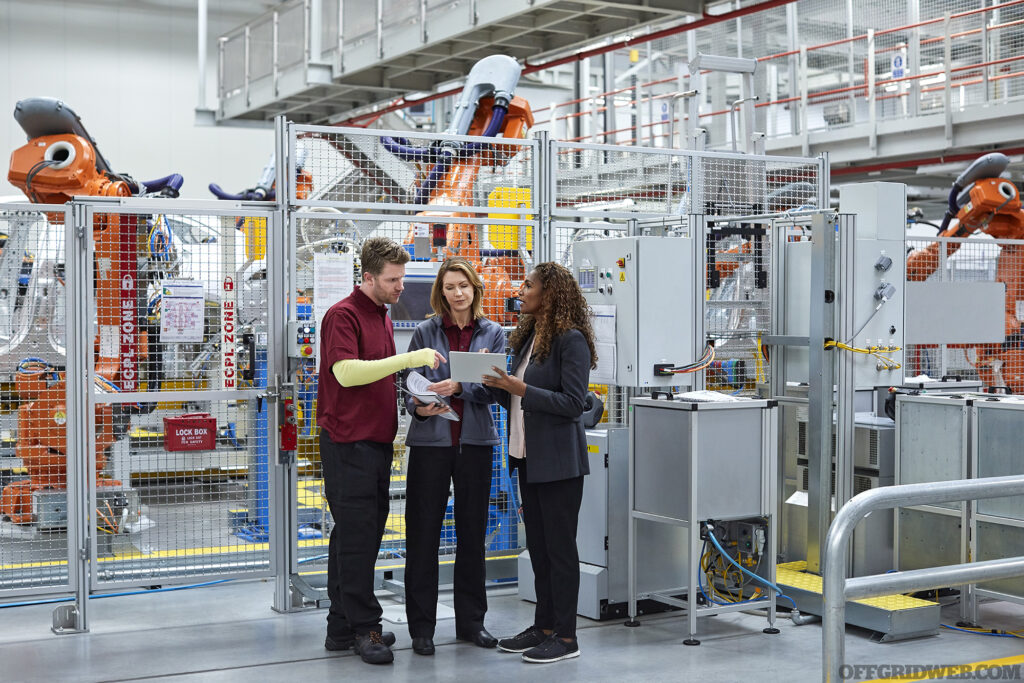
66	579
84	576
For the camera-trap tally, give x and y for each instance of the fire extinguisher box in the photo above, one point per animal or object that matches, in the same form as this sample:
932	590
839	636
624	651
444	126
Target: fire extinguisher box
191	432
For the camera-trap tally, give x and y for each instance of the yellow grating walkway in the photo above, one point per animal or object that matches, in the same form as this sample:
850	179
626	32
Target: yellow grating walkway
794	574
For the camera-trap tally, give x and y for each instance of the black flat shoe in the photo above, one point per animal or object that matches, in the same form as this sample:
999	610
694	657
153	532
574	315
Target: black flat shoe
423	646
480	638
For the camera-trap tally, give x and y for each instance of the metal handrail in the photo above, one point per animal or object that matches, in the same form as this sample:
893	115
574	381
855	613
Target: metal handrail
838	589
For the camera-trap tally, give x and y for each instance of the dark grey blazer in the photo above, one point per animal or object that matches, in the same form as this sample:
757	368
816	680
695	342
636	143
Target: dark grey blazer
556	445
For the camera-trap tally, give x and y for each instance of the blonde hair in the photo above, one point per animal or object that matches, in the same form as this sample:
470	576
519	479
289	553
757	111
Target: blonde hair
461	265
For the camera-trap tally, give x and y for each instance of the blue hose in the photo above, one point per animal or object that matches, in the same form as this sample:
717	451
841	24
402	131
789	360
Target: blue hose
978	633
765	582
401	148
171	182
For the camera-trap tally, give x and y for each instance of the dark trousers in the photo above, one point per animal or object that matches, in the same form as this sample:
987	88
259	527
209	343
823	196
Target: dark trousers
551	513
356	478
427	483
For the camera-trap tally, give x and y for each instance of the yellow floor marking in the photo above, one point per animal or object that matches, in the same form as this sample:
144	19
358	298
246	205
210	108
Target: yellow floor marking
953	670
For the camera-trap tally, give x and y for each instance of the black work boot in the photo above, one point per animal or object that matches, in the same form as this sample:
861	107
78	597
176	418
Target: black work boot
372	649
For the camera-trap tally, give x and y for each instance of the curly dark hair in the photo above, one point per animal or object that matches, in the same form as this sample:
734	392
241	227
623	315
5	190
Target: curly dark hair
565	309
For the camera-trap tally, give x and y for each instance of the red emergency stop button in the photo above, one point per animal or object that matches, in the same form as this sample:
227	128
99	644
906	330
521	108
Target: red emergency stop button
307	351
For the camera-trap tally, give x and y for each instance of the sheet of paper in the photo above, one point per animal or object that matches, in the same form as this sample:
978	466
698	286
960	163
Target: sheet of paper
416	384
604	373
182	310
603	322
332	282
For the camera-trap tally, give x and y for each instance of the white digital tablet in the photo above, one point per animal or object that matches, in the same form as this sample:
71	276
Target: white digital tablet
467	366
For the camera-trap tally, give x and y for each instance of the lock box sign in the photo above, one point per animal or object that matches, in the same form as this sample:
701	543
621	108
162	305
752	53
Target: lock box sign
191	432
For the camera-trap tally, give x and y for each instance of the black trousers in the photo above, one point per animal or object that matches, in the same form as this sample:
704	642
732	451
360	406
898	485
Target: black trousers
551	513
427	483
356	478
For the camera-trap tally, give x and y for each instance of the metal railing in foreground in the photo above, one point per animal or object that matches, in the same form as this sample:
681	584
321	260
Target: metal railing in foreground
838	588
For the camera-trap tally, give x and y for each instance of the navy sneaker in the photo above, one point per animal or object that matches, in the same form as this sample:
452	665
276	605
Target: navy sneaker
553	649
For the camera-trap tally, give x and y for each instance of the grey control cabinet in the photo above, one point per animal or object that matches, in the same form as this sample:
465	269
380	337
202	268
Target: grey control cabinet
997	524
644	287
695	461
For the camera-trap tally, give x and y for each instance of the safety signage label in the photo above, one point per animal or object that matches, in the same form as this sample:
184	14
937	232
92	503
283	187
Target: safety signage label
228	329
128	361
182	311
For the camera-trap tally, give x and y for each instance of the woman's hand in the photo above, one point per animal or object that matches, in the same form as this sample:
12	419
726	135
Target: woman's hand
503	380
445	387
429	409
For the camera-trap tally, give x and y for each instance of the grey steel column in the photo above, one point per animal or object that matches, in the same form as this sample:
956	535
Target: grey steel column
699	233
793	41
821	378
845	385
74	618
280	260
914	57
547	161
609	100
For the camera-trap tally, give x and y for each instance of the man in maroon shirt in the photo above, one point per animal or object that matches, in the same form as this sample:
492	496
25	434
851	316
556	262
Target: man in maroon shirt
358	417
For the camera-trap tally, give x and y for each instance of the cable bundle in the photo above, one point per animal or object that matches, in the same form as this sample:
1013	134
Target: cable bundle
876	351
704	361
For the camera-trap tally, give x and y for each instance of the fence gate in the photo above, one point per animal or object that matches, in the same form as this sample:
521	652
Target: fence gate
38	538
180	354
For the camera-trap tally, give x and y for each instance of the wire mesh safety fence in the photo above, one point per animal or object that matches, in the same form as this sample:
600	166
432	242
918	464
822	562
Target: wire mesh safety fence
180	481
410	173
35	547
978	259
738	305
606	181
618	181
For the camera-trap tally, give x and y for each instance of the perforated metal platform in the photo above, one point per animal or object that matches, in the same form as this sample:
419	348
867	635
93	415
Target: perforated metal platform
893	617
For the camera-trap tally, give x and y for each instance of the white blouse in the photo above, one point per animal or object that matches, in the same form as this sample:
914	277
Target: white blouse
516	429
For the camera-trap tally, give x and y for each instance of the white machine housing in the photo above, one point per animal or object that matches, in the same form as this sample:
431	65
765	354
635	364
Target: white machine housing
880	210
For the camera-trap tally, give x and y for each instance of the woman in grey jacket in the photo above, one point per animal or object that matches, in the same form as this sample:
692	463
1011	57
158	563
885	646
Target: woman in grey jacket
443	451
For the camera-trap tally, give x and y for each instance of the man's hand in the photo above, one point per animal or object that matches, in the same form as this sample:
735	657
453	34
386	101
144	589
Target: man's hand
438	359
429	409
445	387
503	380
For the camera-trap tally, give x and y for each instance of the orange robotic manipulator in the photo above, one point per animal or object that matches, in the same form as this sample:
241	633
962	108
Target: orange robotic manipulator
981	200
455	187
61	161
487	106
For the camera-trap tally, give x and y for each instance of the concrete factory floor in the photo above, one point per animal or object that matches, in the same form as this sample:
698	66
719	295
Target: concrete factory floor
228	632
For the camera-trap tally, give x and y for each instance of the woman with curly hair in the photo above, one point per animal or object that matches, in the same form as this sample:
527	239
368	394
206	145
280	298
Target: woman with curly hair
553	353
